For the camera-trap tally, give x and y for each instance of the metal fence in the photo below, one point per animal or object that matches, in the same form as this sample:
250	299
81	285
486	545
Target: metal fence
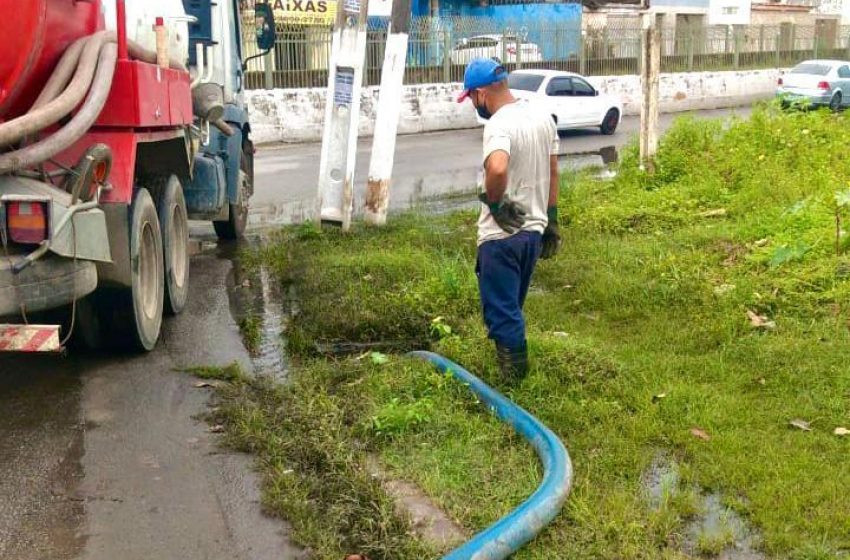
439	48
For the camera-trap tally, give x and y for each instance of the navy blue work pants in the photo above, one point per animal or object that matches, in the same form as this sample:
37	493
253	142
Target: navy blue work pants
504	271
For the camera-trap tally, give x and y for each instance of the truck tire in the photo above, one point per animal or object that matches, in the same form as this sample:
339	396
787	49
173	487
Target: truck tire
137	313
234	226
174	224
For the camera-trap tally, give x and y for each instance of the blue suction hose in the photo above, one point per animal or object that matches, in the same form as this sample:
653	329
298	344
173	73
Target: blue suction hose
510	533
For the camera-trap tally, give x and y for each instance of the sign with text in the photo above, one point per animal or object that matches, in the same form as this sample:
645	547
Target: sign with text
729	12
300	12
344	86
380	8
351	6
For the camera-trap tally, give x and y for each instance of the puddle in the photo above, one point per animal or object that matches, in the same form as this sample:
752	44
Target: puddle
660	481
718	524
268	356
604	158
716	531
255	296
609	155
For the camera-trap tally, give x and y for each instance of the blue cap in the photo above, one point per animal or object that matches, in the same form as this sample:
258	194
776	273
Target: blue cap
481	72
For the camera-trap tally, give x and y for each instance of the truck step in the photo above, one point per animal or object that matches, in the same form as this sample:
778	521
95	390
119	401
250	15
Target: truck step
29	338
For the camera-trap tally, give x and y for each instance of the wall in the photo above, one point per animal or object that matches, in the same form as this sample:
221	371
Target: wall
776	15
297	115
690	91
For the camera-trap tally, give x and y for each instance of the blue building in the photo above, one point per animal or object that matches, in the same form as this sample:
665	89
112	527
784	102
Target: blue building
555	27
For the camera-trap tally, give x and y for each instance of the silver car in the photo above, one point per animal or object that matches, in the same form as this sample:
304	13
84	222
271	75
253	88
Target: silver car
816	83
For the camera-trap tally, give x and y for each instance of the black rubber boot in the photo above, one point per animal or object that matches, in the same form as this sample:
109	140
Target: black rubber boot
513	362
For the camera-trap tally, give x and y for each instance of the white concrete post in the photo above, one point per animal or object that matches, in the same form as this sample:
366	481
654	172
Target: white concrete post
650	71
389	111
342	113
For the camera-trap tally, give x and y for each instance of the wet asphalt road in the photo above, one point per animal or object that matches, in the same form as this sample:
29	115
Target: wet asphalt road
106	457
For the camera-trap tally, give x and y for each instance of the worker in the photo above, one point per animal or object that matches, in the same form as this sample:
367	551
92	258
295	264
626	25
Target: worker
519	212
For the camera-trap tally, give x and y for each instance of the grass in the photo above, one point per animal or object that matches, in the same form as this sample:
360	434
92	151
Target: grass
313	465
231	372
712	544
250	326
652	288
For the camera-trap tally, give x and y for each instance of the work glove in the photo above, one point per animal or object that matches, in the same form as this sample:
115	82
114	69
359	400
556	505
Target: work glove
508	214
551	235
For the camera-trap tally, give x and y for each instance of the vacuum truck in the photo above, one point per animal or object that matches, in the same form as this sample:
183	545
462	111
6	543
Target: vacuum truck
120	121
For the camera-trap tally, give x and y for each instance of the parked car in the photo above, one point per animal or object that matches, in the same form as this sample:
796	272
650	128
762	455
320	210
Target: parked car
816	83
573	102
507	48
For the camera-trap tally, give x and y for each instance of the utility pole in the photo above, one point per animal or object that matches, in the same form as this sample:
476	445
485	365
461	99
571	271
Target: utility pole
650	71
268	69
342	111
389	110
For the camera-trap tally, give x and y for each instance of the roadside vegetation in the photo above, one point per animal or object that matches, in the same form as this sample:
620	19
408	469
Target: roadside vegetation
696	318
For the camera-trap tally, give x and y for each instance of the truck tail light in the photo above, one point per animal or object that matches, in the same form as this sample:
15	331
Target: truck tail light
823	85
27	222
779	82
101	172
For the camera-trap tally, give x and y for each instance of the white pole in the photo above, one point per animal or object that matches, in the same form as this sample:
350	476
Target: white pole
342	111
389	110
650	71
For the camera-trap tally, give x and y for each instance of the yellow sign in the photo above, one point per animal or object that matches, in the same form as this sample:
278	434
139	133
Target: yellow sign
301	12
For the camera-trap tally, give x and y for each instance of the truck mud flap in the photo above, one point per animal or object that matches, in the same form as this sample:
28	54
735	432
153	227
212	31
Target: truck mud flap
29	338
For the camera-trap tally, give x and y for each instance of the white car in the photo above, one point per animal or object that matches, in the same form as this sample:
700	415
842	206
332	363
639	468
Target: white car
504	47
818	83
570	98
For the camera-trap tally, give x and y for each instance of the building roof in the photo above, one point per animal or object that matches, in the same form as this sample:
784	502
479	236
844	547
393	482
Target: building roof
760	7
602	4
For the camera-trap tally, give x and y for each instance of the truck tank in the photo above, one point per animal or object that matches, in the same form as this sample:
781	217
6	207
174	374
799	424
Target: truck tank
141	17
33	36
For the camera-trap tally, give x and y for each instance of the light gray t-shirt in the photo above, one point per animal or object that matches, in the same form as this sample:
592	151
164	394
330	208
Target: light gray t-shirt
528	135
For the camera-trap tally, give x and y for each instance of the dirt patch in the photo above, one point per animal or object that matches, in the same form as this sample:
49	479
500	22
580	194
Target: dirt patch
428	521
731	253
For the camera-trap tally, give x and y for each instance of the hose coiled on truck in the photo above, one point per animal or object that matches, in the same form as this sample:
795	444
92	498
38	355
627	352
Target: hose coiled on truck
54	109
44	150
62	74
87	67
